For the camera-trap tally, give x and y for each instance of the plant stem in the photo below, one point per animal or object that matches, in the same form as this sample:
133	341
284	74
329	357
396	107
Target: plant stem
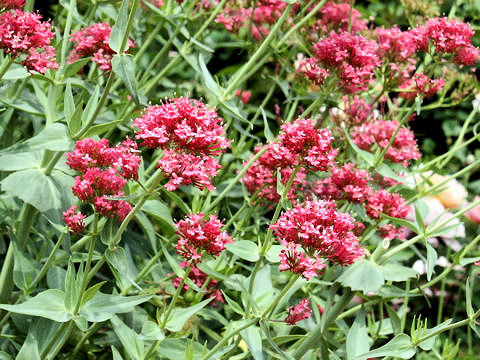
271	309
314	338
227	337
172	304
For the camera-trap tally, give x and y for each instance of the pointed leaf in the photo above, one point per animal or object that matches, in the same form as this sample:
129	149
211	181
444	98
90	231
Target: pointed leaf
179	317
400	346
357	338
119	29
364	276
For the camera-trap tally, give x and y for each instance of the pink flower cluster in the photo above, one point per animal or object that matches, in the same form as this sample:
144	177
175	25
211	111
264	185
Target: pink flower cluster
190	133
379	133
298	312
104	172
23	35
257	18
11	4
321	231
74	220
243	95
351	57
336	17
199	278
389	204
198	235
421	84
300	144
356	111
448	37
93	41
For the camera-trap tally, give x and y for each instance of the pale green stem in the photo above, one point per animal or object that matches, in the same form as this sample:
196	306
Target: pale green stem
271	309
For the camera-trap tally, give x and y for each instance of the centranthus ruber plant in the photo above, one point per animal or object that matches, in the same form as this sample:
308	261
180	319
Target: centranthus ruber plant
223	179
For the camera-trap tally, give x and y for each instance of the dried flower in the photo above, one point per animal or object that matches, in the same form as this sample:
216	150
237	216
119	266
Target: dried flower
198	235
74	220
23	34
301	311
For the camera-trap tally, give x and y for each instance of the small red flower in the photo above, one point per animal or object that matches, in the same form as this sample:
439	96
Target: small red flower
299	312
74	220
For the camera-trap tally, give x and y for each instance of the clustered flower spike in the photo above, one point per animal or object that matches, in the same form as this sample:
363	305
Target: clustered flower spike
11	4
104	171
403	148
337	17
298	312
321	231
23	35
93	41
300	144
190	134
199	278
198	235
448	37
74	220
389	204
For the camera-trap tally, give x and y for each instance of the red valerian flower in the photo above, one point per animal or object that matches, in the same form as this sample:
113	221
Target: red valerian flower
11	4
403	148
321	231
24	34
199	278
356	111
421	84
352	57
448	37
190	134
296	261
198	235
93	41
74	220
299	312
337	17
389	204
243	95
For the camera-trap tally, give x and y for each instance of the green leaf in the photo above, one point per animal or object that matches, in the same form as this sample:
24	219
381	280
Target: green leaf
365	155
20	161
129	339
100	129
103	306
160	212
16	72
244	249
400	346
468	297
122	267
124	67
48	304
92	291
91	106
432	258
467	261
73	68
357	338
402	222
116	354
252	337
394	320
42	191
266	129
119	29
174	349
233	304
363	276
428	344
72	287
210	83
151	331
179	317
24	270
273	254
396	272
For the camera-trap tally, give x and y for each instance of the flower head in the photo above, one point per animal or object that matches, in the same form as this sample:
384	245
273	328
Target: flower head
94	41
74	220
23	34
383	202
198	235
11	4
298	312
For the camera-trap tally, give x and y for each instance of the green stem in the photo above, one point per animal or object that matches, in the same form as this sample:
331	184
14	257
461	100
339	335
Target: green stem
226	338
47	264
235	180
54	338
7	62
86	279
271	309
172	304
314	338
66	334
239	76
131	16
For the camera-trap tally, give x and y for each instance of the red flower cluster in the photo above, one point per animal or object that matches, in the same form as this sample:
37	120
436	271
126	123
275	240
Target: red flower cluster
403	148
197	235
321	231
356	111
448	37
11	4
243	95
74	220
104	173
190	133
299	312
421	84
93	41
345	183
299	144
199	278
295	260
336	17
389	204
352	57
257	18
23	34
